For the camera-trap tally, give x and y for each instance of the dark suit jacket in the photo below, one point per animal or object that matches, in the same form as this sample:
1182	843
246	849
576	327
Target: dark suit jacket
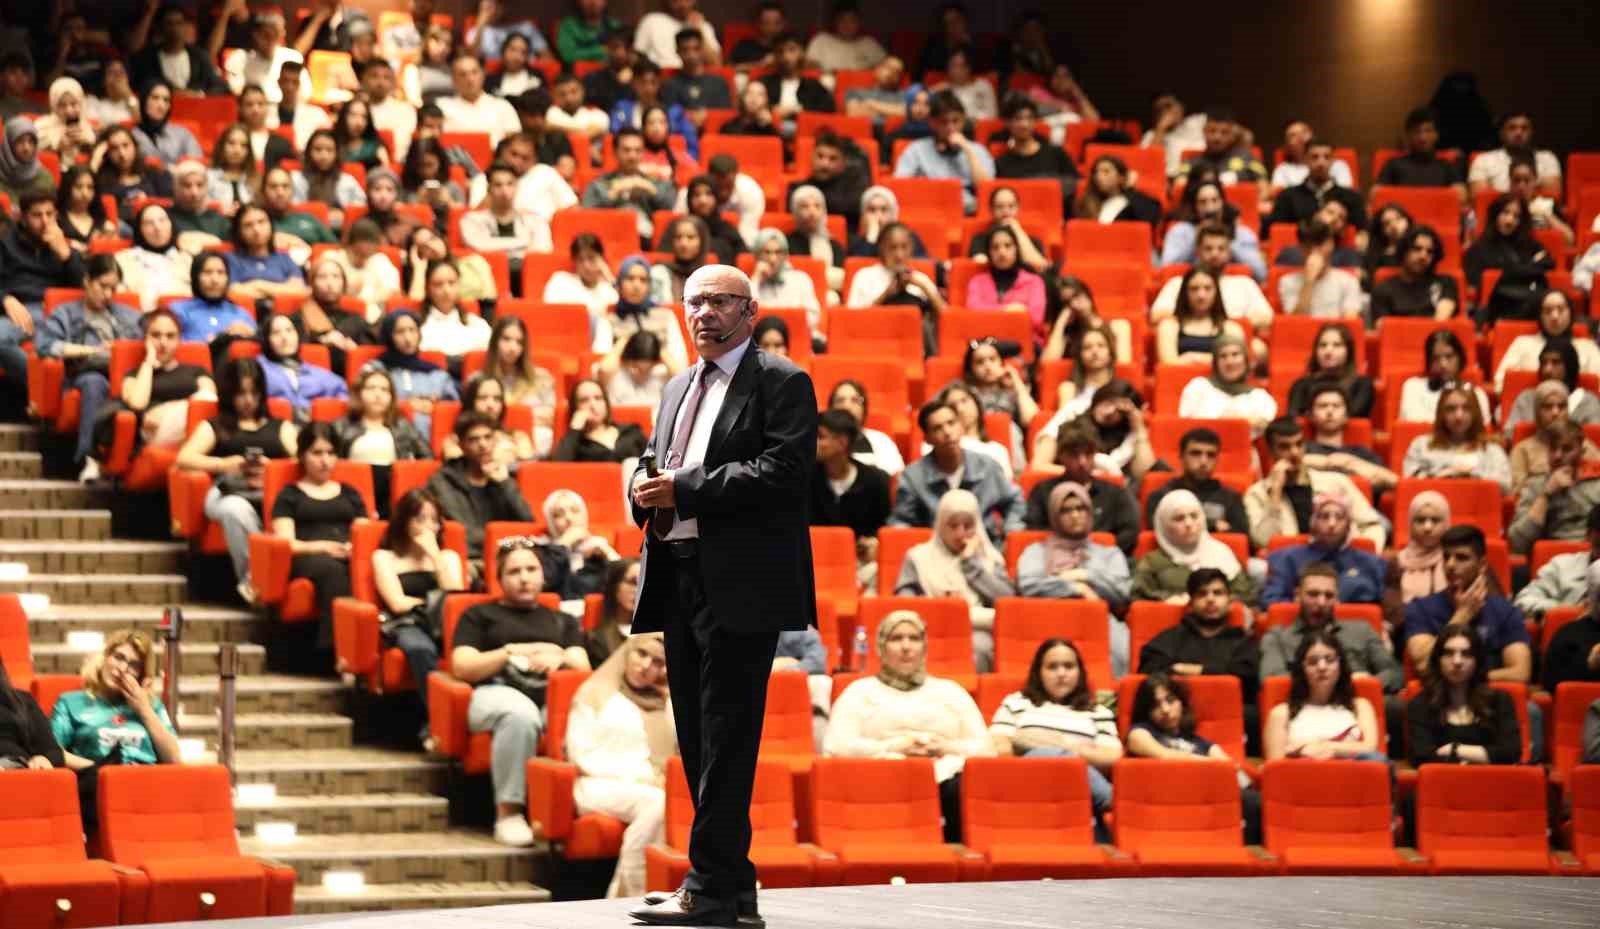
751	497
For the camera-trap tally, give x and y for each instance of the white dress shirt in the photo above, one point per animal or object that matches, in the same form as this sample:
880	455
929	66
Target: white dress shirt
716	390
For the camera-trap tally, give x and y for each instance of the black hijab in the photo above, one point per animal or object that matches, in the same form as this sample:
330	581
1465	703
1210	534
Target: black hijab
154	128
394	359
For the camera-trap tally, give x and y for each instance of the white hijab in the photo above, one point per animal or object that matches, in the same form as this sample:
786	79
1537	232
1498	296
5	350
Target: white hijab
938	568
1206	552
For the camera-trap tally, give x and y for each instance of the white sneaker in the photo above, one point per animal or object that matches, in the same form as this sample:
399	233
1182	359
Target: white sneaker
513	831
246	592
90	472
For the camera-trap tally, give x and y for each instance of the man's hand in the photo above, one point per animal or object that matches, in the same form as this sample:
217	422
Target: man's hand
658	492
242	329
19	315
1277	478
1316	265
1594	658
39	763
1470	601
1559	480
496	471
56	241
1188	669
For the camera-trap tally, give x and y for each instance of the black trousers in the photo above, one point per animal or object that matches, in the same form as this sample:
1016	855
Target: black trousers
331	577
718	679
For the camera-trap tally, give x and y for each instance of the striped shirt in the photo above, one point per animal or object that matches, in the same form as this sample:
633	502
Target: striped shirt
1018	713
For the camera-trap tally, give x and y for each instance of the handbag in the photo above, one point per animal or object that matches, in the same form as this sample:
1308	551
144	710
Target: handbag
531	684
427	616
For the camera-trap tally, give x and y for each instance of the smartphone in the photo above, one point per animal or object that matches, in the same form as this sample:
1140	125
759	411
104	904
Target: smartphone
254	455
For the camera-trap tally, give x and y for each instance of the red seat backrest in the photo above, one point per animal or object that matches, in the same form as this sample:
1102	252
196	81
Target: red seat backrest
876	801
39	821
1216	700
1021	624
1326	804
949	631
152	813
1160	804
1025	801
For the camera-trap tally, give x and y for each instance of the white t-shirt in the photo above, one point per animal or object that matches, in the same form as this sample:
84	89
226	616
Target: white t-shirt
244	67
454	334
175	67
656	37
1202	400
1292	174
1241	297
488	113
1494	168
832	53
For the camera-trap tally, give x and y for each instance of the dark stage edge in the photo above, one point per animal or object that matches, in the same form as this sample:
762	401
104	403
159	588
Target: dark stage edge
1147	903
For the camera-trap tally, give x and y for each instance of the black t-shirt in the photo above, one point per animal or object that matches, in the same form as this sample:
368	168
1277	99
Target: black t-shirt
708	91
1360	451
1300	498
1419	171
489	626
179	383
552	147
1400	297
1048	161
320	520
484	497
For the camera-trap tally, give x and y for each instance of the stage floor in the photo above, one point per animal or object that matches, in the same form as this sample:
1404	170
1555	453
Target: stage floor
1182	903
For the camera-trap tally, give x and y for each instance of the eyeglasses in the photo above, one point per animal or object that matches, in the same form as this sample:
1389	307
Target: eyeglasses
716	303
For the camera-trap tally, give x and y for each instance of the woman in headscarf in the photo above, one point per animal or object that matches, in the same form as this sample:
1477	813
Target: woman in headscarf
1070	565
288	376
1183	543
1417	569
687	240
574	557
20	171
1555	321
810	236
777	283
960	561
1551	412
901	712
1558	363
919	104
383	192
724	239
620	735
636	311
155	266
66	130
421	382
209	315
879	208
1227	393
156	137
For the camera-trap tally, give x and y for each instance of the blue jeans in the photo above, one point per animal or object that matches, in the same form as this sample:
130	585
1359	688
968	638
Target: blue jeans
93	387
1099	786
422	657
13	361
1535	733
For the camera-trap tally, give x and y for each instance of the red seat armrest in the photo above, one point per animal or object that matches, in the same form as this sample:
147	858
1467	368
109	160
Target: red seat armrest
45	377
355	635
270	558
280	887
121	454
135	887
186	498
550	805
448	697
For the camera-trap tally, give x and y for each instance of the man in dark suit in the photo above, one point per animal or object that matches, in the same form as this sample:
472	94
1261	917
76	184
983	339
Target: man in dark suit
726	567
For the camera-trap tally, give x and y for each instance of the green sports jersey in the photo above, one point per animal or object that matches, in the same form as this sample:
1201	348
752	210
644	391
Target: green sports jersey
91	728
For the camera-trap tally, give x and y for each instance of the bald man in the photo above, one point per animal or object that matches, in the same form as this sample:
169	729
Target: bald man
723	492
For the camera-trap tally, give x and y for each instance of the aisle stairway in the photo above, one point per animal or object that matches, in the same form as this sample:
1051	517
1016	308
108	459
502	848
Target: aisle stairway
378	811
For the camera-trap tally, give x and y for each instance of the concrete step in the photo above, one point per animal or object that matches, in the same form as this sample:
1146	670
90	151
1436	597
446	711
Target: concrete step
267	693
55	524
98	557
19	437
398	858
148	589
201	624
345	771
21	465
343	814
429	896
198	658
294	731
37	493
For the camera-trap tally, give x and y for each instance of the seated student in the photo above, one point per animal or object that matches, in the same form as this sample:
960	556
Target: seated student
1555	322
293	231
327	320
1198	451
288	376
1005	208
514	76
959	561
475	280
447	327
34	255
950	466
1199	317
322	178
1419	396
1236	295
839	170
1460	444
1110	196
1416	570
476	488
1327	450
375	434
847	492
484	394
1093	367
25	737
81	212
383	192
870	446
997	387
355	133
1384	231
1225	153
209	316
117	718
788	87
1471	598
80	333
425	175
1421	166
948	153
1365	652
1563	581
843	45
575	559
903	712
616	610
1361	574
505	649
1332	359
20	170
633	371
414	379
1228	393
125	176
155	135
1069	564
1055	715
315	514
658	160
778	283
1204	205
963	398
1320	289
158	391
628	187
688	242
1163	727
1507	244
878	208
1418	290
590	281
1029	156
509	360
810	236
412	570
195	224
256	266
570	112
1558	365
1336	217
975	94
1458	718
1556	505
693	87
1281	502
1551	412
1077	449
630	112
1183	547
1204	642
1305	184
1323	718
701	202
234	447
1006	284
593	435
1574	651
753	114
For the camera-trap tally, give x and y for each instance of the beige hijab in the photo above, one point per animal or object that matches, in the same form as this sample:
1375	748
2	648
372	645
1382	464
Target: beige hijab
893	678
1206	551
938	568
1422	571
611	678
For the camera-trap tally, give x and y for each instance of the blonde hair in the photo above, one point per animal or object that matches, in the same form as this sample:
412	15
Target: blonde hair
92	664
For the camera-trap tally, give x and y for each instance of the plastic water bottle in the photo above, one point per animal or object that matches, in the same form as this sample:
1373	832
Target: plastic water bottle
860	662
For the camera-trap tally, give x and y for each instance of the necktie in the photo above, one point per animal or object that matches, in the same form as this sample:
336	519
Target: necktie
664	518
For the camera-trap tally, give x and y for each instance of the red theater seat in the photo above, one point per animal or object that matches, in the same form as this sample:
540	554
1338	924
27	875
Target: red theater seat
880	818
1181	818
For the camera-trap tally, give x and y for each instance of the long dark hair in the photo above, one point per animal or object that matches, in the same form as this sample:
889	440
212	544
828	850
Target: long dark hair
666	144
311	435
1436	690
1092	200
966	388
1520	237
1186	211
411	174
97	205
1219	313
231	378
1144	701
1344	690
109	174
235	233
474	384
1348	372
615	572
572	396
397	537
1080	697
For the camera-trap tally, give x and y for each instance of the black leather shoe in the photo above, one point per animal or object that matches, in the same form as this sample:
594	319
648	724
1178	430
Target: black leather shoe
749	915
686	908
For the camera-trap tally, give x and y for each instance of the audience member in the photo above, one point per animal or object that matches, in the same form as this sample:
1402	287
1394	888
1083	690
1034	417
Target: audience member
1184	546
846	492
1282	501
953	32
1164	727
195	223
428	248
1174	128
1421	165
1323	718
1110	196
592	435
1361	575
1332	362
1460	444
375	433
1093	367
501	227
1471	598
841	180
1544	214
1204	642
1225	151
1336	216
1071	565
1458	718
1204	209
1447	360
905	712
778	283
469	109
948	467
1115	511
1574	651
34	256
1555	320
288	375
878	208
655	38
616	611
1329	448
476	488
948	153
294	111
413	378
1319	289
265	146
959	561
1556	505
1554	400
1508	246
895	281
1228	393
493	28
1294	158
693	88
65	130
582	34
171	56
871	446
154	267
1198	452
81	212
257	265
1235	296
843	46
1491	170
25	737
156	137
884	98
485	395
506	650
627	187
1416	569
20	170
1309	184
789	90
390	111
976	94
604	87
124	176
575	558
1005	211
723	239
1383	233
753	114
1365	652
330	318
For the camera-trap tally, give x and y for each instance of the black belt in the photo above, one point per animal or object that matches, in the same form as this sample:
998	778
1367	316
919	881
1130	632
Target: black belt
683	548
